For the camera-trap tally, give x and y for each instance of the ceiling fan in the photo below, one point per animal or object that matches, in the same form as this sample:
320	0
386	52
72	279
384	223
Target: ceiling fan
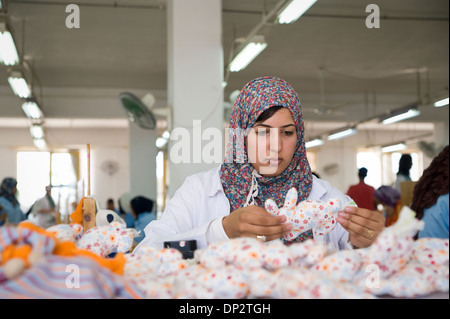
141	111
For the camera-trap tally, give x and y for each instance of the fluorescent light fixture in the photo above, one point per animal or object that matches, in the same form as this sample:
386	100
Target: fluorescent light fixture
400	117
442	102
248	53
314	143
400	114
8	51
32	110
37	132
293	10
40	143
19	85
393	148
343	133
166	134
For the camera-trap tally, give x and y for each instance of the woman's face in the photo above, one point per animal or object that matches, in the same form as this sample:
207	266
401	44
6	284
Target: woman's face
271	144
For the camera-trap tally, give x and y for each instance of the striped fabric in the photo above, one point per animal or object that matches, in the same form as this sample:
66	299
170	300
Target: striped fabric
75	277
71	278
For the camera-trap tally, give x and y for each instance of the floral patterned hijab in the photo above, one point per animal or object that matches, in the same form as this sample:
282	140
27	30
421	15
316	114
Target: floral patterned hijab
236	173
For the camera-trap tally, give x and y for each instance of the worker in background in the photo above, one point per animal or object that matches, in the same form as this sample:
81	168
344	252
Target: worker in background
362	193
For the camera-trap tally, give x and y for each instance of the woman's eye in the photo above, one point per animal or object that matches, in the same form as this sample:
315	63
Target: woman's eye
288	133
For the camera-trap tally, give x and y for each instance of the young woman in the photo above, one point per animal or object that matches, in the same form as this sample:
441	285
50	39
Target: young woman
403	174
265	158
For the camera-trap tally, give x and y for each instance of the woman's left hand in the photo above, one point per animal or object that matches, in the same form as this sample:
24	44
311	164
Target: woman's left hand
363	225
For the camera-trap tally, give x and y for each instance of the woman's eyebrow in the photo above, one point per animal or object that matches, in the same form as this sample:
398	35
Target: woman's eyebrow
268	126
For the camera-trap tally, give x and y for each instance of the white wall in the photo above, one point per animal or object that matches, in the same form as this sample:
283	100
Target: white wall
337	165
104	183
8	162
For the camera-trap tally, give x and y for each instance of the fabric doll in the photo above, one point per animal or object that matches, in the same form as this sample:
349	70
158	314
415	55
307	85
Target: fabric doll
104	217
67	232
105	240
306	215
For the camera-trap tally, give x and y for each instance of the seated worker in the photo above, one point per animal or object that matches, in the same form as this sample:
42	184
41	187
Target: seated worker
264	162
142	210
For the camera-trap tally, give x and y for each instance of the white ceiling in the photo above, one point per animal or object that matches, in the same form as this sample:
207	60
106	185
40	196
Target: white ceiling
122	44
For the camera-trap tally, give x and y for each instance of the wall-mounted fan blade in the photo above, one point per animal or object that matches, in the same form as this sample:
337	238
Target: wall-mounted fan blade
137	111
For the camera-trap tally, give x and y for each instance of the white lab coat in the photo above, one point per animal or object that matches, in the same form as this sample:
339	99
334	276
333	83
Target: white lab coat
197	208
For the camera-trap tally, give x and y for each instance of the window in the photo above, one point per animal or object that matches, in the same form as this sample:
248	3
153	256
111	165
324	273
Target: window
35	170
371	160
390	166
416	165
33	174
312	159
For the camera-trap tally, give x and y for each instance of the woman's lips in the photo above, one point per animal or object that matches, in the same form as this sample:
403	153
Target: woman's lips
274	161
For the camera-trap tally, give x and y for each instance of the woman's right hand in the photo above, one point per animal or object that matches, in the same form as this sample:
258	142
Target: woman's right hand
253	221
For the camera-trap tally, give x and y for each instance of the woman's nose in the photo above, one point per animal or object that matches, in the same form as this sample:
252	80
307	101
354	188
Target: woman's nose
275	143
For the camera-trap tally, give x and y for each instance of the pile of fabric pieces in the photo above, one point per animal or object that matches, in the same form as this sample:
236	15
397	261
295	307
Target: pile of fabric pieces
65	262
395	265
34	263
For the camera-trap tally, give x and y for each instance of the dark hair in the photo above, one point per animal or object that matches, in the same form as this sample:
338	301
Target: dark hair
267	114
433	183
405	164
141	204
362	172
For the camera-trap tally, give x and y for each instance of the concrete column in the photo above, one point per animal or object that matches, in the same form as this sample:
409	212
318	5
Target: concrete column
195	75
142	161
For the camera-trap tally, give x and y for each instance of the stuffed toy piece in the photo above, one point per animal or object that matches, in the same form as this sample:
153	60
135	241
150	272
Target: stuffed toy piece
308	214
66	232
105	240
104	217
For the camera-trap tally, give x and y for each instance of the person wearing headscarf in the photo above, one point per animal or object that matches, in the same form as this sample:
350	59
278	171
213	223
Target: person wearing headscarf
125	209
141	209
9	205
265	157
403	175
431	197
389	198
